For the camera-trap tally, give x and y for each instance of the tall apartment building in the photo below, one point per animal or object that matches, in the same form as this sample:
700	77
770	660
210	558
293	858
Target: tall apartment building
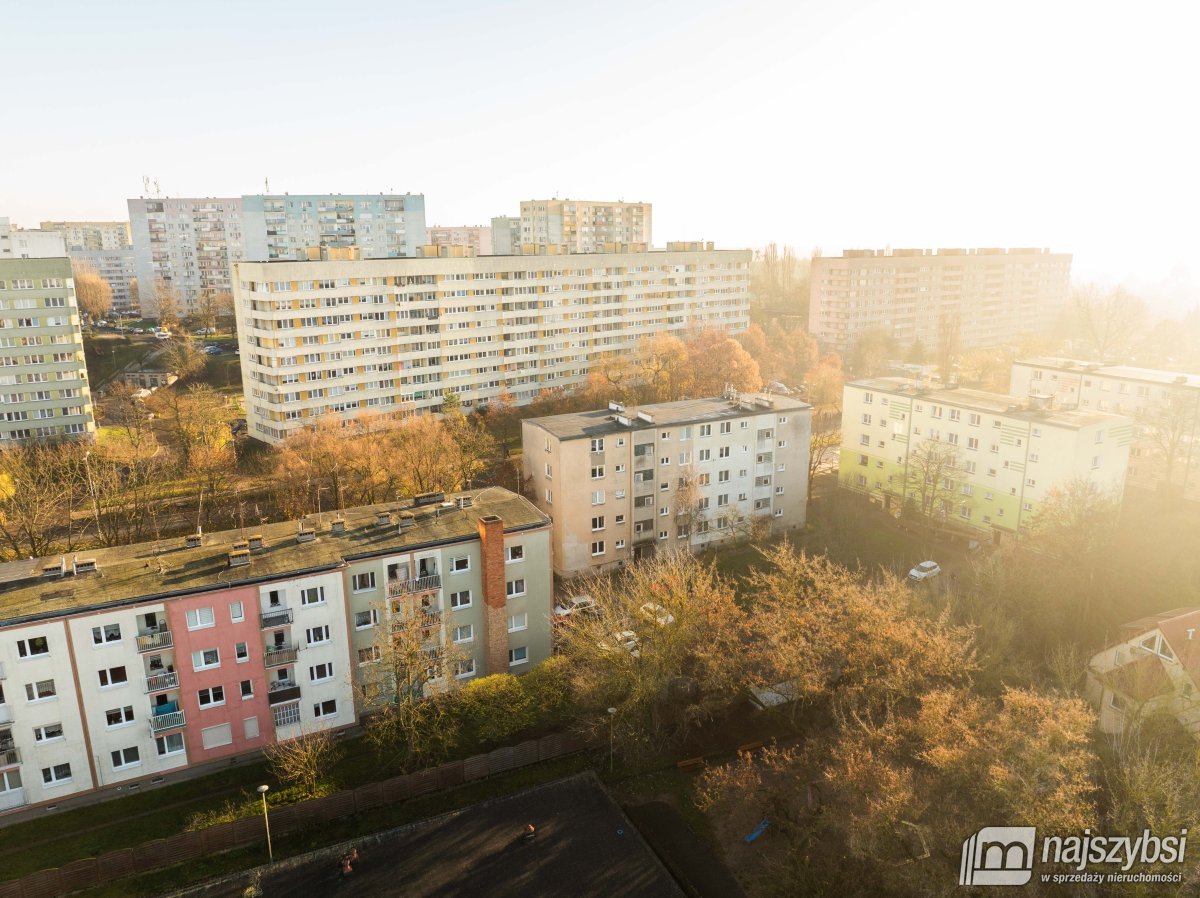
626	483
1010	455
19	243
43	379
967	297
118	267
506	235
382	226
91	236
477	237
385	336
584	226
187	244
133	664
1165	404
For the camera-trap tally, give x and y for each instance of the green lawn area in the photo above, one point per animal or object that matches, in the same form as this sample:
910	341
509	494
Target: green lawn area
105	354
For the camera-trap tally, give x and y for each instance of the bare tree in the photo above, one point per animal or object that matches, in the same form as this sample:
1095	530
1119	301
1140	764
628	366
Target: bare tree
36	497
93	294
822	446
931	480
949	344
168	305
304	761
1172	423
1108	321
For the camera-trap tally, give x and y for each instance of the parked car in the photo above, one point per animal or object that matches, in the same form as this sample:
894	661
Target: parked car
657	614
626	639
924	571
205	332
575	605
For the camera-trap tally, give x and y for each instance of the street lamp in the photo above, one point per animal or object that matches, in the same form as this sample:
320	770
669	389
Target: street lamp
262	790
612	712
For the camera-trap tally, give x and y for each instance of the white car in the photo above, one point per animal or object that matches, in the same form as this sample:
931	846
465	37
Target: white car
657	614
574	605
924	571
626	639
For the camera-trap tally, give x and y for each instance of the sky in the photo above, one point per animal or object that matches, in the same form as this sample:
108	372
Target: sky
832	124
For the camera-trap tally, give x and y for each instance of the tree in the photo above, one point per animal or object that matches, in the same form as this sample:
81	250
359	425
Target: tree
225	317
167	304
715	360
1172	422
949	344
826	382
182	357
986	369
870	352
37	489
1077	523
663	368
931	480
822	446
93	294
1107	321
304	761
135	297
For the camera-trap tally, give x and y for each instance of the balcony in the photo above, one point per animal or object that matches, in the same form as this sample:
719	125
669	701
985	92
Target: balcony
155	640
6	714
10	755
13	798
168	720
281	691
277	656
162	682
428	583
276	617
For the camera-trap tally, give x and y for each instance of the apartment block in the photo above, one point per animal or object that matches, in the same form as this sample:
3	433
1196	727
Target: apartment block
20	243
44	389
187	244
965	297
584	226
390	336
125	666
506	235
626	483
285	227
91	236
118	267
1165	404
1005	458
477	237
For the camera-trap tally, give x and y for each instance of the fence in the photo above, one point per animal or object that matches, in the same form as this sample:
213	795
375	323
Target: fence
285	819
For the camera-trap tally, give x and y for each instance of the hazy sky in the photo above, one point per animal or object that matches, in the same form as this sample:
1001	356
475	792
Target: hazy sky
835	123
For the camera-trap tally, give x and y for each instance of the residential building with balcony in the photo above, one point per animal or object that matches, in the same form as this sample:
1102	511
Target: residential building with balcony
380	337
44	392
22	243
284	227
626	483
1004	457
584	226
477	237
118	267
506	234
1165	454
133	664
91	236
965	297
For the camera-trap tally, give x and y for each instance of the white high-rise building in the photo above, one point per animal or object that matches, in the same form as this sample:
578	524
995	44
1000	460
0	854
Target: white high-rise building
286	227
91	236
19	243
584	226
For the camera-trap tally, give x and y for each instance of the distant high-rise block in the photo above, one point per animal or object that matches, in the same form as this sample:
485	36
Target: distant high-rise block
118	267
478	238
91	236
382	226
506	235
584	226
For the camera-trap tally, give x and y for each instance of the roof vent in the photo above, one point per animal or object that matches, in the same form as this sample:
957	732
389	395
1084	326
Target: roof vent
58	569
624	421
254	541
240	545
193	542
239	557
305	534
465	501
645	416
83	565
383	519
616	407
428	499
337	525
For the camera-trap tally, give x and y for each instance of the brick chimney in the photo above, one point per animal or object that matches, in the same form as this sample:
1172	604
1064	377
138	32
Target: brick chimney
495	618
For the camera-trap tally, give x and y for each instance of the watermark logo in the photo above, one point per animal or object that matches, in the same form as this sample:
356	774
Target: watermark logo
998	856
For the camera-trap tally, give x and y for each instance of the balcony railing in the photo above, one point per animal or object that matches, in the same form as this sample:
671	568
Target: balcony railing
276	617
154	640
10	755
172	720
428	583
162	682
281	691
279	655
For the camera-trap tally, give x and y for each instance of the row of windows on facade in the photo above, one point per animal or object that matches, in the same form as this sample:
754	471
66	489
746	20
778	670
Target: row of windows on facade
37	284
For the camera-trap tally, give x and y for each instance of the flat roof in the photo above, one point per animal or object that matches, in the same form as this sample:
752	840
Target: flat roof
1125	372
158	570
577	425
981	401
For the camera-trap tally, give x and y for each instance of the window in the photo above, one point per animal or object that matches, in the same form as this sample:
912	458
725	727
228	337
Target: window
598	445
518	655
56	775
518	622
514	588
199	618
317	635
126	757
319	673
48	733
664	511
314	595
726	426
514	553
115	717
460	599
250	727
620	469
236	612
247	688
325	709
722	477
464	669
598	523
171	744
598	497
106	634
363	582
866	418
598	472
365	619
33	647
1095	462
972	443
549	472
368	655
114	676
464	633
460	564
211	697
598	547
215	737
705	455
205	658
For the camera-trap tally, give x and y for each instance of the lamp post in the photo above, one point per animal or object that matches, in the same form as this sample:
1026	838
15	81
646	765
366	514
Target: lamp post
262	790
611	715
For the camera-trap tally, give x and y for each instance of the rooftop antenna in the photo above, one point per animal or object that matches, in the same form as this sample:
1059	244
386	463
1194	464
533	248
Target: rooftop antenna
157	188
267	186
145	185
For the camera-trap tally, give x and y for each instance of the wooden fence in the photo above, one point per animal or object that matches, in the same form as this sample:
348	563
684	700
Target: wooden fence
286	819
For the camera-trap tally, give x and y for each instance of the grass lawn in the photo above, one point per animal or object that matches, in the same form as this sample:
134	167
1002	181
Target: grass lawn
105	354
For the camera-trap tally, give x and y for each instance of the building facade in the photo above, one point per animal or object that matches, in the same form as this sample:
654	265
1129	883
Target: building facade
622	484
19	243
477	237
960	298
118	267
284	227
1165	455
584	226
506	235
1003	458
134	663
44	392
385	336
91	236
187	245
